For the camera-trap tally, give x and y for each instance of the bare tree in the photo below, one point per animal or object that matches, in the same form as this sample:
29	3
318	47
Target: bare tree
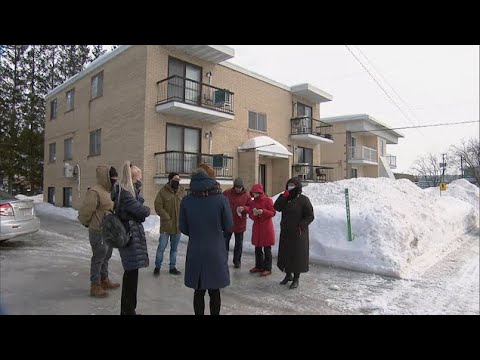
469	153
427	168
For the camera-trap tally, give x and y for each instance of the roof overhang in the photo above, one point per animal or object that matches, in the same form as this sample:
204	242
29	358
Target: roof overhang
211	53
311	93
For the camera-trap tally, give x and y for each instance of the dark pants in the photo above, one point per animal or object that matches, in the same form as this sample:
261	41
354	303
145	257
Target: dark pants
101	254
199	301
237	251
129	292
263	261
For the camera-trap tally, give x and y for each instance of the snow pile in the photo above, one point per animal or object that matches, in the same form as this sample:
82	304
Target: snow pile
49	209
399	229
152	225
36	199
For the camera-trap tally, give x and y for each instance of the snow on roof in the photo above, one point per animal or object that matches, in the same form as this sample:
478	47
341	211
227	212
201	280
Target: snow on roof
266	145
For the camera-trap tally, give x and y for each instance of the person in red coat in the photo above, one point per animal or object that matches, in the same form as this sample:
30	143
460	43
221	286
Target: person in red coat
263	235
239	201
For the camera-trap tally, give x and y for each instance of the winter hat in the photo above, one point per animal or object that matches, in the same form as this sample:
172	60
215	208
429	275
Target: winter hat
238	183
208	169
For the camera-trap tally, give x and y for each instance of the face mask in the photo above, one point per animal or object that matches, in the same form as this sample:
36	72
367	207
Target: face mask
256	195
174	184
138	184
291	187
113	181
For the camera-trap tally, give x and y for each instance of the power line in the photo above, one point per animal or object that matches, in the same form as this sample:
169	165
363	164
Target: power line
386	81
383	128
381	87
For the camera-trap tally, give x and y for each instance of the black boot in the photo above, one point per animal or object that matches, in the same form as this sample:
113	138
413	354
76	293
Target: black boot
294	283
288	278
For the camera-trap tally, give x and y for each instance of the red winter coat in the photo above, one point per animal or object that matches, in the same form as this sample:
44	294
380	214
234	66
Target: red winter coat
235	200
263	233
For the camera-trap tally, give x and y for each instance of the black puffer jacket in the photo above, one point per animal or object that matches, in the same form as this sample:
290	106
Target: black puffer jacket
133	213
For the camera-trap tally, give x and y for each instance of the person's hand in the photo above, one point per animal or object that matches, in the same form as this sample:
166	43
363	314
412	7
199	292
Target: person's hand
240	209
255	212
259	211
286	193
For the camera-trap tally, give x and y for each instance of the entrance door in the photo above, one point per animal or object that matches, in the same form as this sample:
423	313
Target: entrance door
262	176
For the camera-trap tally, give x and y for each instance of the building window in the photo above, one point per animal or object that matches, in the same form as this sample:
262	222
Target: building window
52	152
304	110
257	121
97	86
51	195
184	144
53	109
68	151
70	99
354	173
95	142
67	197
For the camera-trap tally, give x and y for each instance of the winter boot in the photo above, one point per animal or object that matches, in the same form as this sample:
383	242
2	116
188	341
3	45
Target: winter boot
97	291
107	284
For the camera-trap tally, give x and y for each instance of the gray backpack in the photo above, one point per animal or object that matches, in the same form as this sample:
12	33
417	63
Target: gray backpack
113	231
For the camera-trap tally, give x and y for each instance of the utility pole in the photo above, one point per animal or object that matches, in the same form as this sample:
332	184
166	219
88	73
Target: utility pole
461	165
444	164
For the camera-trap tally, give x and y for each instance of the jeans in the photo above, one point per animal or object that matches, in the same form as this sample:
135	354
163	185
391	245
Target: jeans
237	251
162	245
101	254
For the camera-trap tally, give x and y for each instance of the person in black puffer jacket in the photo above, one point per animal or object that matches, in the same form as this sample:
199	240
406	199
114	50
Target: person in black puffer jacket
132	214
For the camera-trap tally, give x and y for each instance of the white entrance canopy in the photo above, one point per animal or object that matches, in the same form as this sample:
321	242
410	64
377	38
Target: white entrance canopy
265	146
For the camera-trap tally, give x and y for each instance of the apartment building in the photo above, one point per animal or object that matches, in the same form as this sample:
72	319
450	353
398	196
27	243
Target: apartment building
360	148
169	107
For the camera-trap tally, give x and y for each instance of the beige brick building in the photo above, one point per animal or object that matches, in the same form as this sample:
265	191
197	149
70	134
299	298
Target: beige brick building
166	108
360	148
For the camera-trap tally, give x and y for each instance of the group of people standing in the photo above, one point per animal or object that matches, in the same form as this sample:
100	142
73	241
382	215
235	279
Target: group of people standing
209	217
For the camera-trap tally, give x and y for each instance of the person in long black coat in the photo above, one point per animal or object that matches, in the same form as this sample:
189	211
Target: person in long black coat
293	249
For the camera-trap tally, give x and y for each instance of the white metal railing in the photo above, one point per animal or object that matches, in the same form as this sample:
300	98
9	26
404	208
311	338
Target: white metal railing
392	161
363	153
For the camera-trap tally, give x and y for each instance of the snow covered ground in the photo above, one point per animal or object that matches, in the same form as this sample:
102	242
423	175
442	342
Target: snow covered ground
399	229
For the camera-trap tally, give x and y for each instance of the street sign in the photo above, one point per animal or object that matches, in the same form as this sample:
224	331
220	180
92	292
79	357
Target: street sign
443	186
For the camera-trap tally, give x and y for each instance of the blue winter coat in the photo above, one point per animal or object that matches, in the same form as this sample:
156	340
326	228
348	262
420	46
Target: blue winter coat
133	213
204	215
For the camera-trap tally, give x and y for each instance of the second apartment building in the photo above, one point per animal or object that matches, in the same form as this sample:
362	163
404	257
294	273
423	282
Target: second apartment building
169	107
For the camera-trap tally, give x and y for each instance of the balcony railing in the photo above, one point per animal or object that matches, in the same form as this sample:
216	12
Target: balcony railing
362	153
186	162
316	173
305	125
177	88
392	161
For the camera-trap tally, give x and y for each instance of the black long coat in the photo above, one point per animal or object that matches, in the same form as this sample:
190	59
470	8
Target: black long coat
297	214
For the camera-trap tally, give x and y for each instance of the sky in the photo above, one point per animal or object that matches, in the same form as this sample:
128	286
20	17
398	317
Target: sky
431	84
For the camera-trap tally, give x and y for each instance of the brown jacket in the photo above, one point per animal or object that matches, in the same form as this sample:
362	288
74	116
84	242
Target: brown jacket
167	206
97	200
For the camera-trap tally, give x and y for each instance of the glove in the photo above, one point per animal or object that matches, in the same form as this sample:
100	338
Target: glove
286	193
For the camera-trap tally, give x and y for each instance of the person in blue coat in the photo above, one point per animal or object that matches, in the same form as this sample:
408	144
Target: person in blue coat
205	215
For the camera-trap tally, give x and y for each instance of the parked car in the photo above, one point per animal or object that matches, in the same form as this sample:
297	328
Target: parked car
17	217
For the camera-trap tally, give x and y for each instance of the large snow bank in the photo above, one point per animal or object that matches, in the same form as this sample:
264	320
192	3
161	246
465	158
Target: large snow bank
36	199
399	229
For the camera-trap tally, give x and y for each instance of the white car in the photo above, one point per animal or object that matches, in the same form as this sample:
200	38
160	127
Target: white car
17	217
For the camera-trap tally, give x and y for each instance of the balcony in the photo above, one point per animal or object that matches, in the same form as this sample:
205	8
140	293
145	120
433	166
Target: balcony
310	130
186	162
392	161
362	155
191	99
312	173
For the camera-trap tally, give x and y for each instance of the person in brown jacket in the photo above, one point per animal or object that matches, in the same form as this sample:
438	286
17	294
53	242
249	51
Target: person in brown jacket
167	206
97	202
